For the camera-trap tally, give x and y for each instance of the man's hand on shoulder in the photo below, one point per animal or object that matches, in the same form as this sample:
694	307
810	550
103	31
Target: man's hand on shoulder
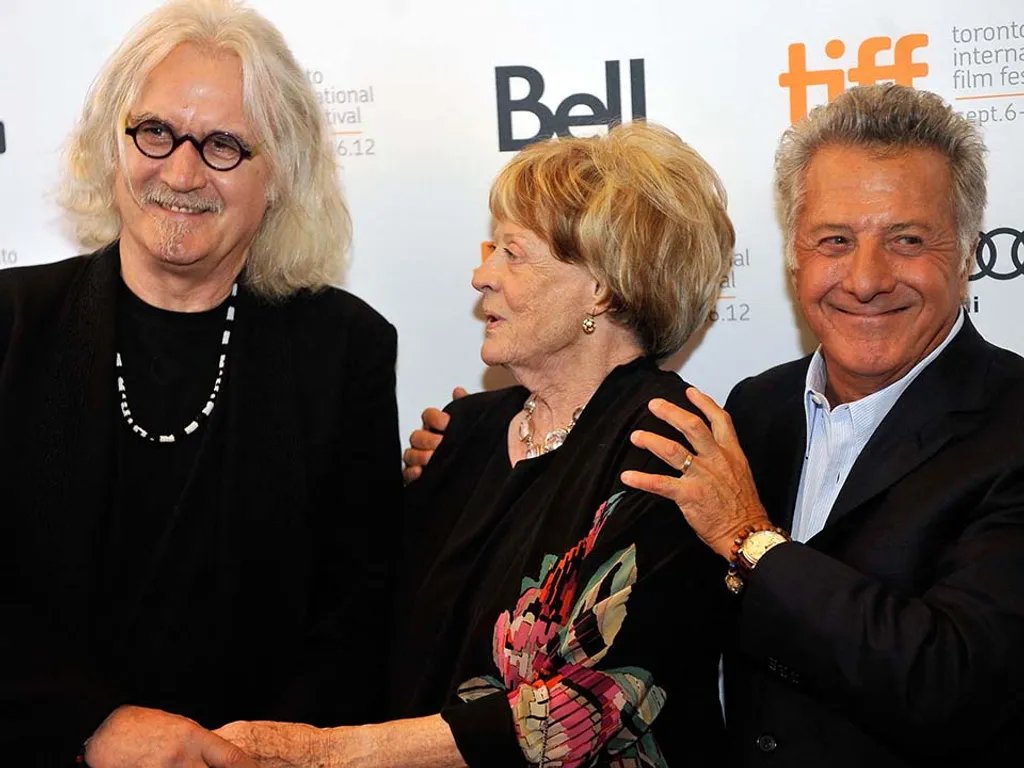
424	441
137	737
714	488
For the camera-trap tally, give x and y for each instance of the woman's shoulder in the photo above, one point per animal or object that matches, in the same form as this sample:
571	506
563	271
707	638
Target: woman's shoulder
475	435
632	387
477	428
484	410
670	386
666	384
625	410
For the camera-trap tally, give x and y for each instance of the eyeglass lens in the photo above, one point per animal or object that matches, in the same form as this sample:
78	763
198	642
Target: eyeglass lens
220	151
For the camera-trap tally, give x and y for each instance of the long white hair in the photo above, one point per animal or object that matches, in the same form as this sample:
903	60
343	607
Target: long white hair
303	239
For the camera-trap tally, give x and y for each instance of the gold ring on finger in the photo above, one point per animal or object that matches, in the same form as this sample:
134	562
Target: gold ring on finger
686	464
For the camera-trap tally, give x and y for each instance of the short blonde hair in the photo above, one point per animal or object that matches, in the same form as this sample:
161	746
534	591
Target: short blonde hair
304	236
641	210
890	119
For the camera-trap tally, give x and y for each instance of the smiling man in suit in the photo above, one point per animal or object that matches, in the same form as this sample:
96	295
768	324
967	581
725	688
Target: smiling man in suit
887	628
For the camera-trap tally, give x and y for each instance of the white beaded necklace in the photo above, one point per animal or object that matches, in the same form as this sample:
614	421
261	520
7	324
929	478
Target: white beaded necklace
193	425
552	440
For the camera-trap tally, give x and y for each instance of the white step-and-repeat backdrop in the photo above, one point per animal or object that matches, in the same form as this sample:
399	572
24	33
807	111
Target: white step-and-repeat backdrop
427	100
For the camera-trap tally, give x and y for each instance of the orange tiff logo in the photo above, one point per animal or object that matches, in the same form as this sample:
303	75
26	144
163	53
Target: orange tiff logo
868	71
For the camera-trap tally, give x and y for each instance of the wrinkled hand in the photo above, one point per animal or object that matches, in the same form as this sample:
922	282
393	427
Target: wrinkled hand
424	441
716	493
136	737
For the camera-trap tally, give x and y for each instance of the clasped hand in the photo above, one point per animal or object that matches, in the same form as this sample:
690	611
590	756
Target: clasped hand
137	737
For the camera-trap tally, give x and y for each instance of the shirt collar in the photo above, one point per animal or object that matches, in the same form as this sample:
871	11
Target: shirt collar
868	412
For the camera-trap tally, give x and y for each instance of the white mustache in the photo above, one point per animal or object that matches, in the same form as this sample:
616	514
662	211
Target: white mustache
191	201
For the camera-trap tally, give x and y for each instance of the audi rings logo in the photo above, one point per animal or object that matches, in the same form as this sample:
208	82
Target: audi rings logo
993	248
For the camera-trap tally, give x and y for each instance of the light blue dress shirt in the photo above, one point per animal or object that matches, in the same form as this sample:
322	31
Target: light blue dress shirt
836	436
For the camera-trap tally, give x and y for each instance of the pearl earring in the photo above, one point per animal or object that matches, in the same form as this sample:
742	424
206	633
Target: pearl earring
589	325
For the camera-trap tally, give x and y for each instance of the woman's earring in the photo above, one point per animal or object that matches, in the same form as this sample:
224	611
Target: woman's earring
589	325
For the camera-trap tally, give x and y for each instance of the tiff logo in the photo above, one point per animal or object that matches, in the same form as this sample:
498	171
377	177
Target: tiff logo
903	69
591	110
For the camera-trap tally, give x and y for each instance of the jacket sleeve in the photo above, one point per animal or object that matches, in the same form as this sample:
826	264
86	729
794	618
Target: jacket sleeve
51	697
935	670
355	533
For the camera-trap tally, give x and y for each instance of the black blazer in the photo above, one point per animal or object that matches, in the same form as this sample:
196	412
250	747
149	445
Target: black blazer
895	636
267	584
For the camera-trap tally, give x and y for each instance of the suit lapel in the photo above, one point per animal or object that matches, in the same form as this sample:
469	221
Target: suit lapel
265	481
787	440
940	404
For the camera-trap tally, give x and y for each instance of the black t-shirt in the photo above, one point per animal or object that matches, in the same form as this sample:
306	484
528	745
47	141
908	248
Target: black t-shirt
169	365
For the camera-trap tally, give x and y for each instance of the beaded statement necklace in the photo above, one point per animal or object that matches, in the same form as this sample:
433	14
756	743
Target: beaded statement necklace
552	440
193	425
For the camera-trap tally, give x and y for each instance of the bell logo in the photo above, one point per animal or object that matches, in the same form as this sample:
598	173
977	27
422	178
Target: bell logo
607	112
903	69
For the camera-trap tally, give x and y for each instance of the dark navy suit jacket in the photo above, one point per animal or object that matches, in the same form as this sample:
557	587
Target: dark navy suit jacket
895	636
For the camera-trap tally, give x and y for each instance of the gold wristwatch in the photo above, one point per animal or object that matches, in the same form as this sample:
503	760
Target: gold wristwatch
748	548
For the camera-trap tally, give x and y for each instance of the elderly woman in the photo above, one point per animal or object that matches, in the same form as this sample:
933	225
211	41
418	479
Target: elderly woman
550	615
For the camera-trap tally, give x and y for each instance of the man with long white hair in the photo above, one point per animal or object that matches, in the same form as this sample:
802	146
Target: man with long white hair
199	434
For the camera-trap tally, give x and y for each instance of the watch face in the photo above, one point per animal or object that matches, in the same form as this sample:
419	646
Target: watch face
759	542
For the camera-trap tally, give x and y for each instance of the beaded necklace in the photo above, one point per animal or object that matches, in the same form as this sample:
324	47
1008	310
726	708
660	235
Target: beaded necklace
207	409
552	440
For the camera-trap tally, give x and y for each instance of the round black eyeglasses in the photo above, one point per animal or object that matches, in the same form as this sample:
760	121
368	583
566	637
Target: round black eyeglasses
221	151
